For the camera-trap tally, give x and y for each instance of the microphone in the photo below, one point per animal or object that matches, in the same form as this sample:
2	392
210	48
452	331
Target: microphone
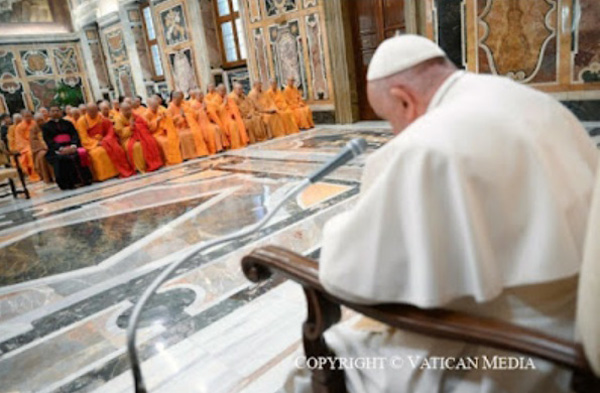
353	149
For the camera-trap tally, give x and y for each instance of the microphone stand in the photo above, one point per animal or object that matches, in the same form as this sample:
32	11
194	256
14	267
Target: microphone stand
354	148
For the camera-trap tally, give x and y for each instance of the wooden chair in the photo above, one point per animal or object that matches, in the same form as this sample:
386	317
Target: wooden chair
8	174
324	311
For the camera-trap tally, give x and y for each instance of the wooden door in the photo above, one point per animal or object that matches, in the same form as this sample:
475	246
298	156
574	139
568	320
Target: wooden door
372	22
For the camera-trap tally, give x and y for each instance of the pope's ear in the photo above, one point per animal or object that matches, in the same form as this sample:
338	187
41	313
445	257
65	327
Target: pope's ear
401	95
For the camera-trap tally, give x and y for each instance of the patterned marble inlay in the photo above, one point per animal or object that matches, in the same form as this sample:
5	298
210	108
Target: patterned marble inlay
84	244
78	260
518	36
36	62
174	25
66	60
288	54
586	61
8	66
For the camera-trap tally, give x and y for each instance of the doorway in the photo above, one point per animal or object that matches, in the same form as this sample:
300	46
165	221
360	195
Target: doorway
372	21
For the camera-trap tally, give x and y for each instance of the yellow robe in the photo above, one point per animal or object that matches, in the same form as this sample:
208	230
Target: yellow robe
140	111
163	130
256	128
124	132
191	137
211	132
102	166
291	127
303	114
22	144
233	129
274	121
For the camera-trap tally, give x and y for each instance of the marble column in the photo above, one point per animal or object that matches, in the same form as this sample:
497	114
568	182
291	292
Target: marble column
341	52
199	42
129	39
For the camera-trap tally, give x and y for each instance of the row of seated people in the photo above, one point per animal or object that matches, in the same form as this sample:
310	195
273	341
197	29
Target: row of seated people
129	137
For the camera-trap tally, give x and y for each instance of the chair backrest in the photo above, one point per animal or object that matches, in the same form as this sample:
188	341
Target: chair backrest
588	298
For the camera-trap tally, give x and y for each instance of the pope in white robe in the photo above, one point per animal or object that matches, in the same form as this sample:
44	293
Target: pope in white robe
479	204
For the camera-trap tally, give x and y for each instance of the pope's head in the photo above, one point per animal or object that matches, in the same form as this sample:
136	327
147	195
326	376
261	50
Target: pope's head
403	76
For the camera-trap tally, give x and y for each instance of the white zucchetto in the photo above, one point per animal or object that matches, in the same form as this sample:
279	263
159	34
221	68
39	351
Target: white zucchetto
400	53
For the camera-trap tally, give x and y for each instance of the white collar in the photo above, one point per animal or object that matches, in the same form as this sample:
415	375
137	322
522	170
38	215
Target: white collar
443	89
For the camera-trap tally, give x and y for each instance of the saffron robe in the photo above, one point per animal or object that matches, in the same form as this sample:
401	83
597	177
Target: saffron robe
214	111
255	127
141	148
69	169
161	126
39	150
448	219
211	132
190	134
140	110
23	146
99	139
302	112
274	121
277	97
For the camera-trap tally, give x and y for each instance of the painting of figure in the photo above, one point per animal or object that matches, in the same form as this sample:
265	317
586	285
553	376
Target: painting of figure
25	11
184	76
173	23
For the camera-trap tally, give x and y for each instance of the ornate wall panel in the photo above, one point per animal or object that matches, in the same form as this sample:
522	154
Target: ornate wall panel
174	37
98	58
210	32
240	76
553	45
288	38
586	59
29	73
118	60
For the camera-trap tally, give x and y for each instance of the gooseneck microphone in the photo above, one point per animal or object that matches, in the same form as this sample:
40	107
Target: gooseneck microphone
353	149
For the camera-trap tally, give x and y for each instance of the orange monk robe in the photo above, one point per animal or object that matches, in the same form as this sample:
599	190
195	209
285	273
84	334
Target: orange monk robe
191	137
113	114
11	137
211	132
303	114
274	121
213	111
140	110
38	152
163	130
255	127
142	149
106	154
71	119
277	97
23	145
240	138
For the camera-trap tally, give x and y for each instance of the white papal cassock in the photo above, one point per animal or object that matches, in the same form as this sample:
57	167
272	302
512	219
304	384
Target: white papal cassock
480	205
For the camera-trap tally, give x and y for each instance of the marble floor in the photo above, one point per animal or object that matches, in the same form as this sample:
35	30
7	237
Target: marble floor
73	263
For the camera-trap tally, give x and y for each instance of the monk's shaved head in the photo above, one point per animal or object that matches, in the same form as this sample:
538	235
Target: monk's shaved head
39	117
238	88
177	94
104	108
126	109
17	117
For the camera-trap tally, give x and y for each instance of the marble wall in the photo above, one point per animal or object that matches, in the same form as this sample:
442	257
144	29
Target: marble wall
118	60
29	73
173	26
288	38
549	44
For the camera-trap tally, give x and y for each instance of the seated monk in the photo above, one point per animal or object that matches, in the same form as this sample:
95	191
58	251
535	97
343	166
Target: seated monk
276	96
212	103
114	111
73	116
83	109
190	135
446	219
137	107
142	149
16	120
211	132
266	107
66	155
39	149
256	128
105	110
98	137
23	145
44	112
161	126
230	115
302	112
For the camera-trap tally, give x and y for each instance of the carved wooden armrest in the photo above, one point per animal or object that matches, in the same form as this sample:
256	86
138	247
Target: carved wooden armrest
324	311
